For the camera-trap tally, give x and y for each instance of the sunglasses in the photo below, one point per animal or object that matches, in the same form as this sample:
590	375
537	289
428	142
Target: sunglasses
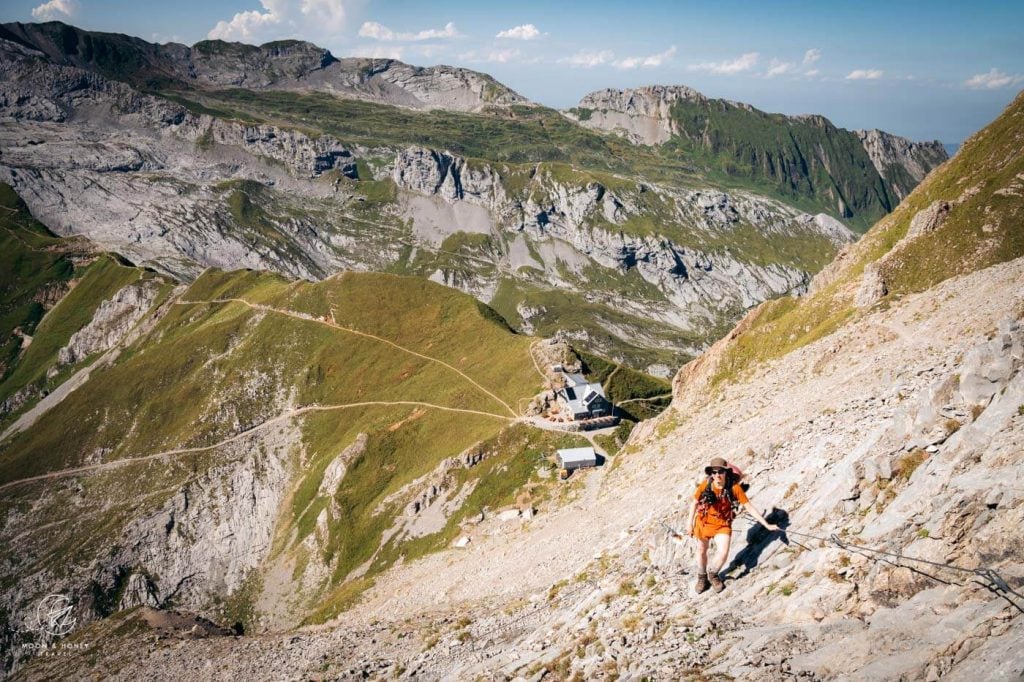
717	471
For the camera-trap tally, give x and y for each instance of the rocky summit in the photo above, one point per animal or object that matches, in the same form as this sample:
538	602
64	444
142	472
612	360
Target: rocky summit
286	394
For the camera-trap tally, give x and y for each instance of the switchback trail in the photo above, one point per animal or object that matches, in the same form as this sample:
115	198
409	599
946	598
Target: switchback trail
334	325
238	436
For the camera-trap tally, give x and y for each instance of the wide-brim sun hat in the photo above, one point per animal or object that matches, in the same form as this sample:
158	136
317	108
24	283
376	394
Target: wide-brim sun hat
716	463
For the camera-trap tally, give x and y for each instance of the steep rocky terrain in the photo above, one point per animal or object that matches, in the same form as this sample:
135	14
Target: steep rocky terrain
902	163
282	157
802	156
883	411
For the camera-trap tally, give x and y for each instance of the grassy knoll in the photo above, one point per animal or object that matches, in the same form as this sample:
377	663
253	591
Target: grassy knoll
210	371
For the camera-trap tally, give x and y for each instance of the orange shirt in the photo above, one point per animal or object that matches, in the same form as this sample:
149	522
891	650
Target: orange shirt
717	516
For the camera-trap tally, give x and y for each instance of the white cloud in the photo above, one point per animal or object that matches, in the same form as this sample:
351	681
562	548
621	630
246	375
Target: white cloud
371	29
589	58
647	62
55	9
778	68
162	39
496	56
812	72
992	80
864	75
316	19
524	32
742	63
377	51
811	56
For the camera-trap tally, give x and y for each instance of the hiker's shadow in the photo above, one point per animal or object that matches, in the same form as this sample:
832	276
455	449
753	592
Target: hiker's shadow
758	539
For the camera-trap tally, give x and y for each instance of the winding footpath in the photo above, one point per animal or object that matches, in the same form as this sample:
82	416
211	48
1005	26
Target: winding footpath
333	325
299	411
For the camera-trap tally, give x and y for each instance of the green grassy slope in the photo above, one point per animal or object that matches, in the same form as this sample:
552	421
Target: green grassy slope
27	267
34	262
983	183
801	159
197	354
356	347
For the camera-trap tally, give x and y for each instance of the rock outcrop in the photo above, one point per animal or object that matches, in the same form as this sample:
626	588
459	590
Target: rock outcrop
901	162
111	323
641	115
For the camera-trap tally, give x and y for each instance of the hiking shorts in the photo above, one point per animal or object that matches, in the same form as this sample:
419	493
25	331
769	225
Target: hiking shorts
706	531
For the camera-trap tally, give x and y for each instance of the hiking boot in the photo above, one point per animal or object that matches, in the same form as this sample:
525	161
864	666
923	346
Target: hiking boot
702	584
716	582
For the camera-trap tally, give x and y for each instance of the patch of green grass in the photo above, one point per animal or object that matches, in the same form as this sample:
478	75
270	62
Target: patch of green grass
341	599
98	282
648	395
31	261
568	311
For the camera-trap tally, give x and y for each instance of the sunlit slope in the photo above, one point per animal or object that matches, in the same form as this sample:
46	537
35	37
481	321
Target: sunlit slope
966	216
215	367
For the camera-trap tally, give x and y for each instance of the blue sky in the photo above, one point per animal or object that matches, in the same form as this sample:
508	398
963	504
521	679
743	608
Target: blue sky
926	70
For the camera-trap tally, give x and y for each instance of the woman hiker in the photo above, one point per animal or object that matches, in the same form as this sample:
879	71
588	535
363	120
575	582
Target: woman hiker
711	515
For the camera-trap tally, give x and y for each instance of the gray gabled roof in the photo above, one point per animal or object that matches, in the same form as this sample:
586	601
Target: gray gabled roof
581	395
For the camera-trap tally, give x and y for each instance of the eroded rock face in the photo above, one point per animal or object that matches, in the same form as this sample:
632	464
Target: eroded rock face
642	115
215	530
894	156
585	217
113	320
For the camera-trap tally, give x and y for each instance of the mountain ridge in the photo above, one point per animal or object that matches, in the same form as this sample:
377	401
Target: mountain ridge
802	154
239	178
284	64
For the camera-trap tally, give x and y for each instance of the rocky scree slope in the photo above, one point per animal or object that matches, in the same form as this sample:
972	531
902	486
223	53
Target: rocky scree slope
860	175
280	65
647	272
897	424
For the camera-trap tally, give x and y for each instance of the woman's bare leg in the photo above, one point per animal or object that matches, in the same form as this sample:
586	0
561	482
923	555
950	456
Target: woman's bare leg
702	555
722	542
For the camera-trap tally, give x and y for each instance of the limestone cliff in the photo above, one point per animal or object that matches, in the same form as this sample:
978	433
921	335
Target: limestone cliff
903	163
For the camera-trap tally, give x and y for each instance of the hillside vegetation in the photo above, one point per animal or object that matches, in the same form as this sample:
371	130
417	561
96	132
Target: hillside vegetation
37	270
975	204
403	373
785	155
